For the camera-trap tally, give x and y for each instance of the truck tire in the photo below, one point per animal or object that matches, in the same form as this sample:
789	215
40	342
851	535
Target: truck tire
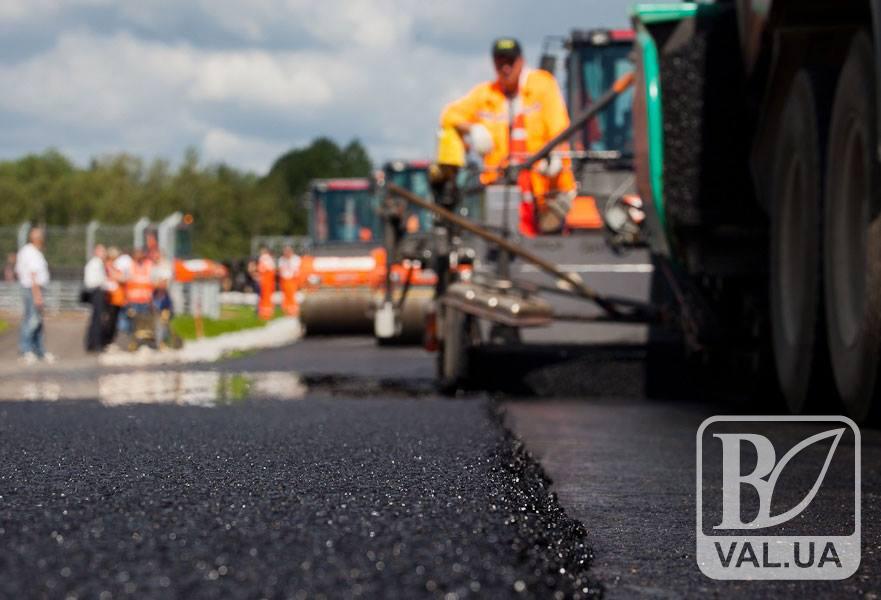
795	271
852	235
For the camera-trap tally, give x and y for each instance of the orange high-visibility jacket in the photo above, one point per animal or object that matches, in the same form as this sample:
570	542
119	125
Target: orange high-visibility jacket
544	114
139	286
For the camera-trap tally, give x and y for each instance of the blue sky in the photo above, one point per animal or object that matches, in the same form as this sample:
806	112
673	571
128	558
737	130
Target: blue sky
245	81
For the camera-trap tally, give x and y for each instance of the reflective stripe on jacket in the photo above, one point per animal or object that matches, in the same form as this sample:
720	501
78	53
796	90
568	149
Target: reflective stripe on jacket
139	285
288	267
541	115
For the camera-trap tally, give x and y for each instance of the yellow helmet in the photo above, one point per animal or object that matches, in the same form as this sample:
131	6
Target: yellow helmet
450	147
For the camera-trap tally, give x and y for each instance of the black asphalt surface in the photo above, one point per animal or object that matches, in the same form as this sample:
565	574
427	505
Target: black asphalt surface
369	484
319	497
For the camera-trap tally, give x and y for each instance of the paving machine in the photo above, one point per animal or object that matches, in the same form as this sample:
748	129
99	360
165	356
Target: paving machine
479	299
408	281
757	128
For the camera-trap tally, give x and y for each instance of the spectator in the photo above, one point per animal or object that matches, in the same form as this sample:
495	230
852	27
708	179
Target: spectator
139	285
163	272
115	296
123	266
32	271
9	270
254	276
95	282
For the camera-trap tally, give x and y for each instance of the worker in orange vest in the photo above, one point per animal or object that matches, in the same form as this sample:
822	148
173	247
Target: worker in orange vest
266	275
139	285
288	269
115	294
510	118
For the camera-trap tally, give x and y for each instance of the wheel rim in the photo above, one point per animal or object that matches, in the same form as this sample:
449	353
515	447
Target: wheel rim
793	267
849	255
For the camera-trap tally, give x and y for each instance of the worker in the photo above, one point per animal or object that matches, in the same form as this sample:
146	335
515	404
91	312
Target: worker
508	119
266	275
163	307
139	285
288	270
122	264
115	295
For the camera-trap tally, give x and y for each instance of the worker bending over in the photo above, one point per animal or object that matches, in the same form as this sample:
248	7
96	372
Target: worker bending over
510	118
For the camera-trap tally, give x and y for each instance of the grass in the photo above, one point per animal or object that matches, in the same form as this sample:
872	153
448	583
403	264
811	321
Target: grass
4	325
232	318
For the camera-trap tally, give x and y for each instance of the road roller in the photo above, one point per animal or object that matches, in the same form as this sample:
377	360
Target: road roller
344	267
348	274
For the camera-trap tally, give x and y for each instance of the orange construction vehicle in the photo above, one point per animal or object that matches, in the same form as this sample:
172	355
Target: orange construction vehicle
342	276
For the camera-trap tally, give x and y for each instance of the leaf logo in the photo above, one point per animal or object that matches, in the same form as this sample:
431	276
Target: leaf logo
764	477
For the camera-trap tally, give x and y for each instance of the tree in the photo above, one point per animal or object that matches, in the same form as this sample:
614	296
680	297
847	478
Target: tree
228	206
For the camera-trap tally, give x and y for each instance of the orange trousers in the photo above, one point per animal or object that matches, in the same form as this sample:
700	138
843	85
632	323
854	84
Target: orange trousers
289	296
265	309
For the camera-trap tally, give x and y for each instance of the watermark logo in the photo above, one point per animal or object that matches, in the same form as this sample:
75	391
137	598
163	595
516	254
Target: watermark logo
778	497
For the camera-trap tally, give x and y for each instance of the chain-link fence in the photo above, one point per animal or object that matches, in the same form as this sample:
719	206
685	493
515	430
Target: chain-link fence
118	236
65	251
276	243
9	242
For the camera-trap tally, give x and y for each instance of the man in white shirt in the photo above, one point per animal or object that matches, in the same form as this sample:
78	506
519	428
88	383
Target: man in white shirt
33	275
95	282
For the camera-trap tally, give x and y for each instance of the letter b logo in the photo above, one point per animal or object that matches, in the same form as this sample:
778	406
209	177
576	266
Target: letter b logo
756	475
766	467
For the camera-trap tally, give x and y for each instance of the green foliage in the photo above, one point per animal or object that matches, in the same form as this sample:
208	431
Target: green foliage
228	206
232	318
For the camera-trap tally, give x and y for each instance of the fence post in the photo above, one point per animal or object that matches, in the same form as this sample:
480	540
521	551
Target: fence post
167	241
23	231
91	231
138	233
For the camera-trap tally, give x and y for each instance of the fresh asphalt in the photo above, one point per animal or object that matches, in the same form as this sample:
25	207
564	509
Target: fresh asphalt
354	478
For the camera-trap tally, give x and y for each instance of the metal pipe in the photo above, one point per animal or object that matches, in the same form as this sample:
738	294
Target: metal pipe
580	288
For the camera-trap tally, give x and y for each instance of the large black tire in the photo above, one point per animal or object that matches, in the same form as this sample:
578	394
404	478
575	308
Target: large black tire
852	235
796	231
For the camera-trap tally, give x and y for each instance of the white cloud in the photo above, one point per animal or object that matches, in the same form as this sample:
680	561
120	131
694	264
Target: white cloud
220	145
244	81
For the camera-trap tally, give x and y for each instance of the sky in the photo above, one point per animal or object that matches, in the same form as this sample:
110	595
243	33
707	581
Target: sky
243	82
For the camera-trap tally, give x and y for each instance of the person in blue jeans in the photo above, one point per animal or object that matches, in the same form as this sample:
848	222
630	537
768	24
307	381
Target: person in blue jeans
33	276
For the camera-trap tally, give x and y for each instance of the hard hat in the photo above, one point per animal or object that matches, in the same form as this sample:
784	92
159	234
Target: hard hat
450	148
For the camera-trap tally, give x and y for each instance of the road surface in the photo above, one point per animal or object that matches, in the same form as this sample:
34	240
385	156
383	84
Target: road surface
331	468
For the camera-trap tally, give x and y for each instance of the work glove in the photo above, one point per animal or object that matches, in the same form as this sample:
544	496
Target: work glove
481	140
556	208
550	168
